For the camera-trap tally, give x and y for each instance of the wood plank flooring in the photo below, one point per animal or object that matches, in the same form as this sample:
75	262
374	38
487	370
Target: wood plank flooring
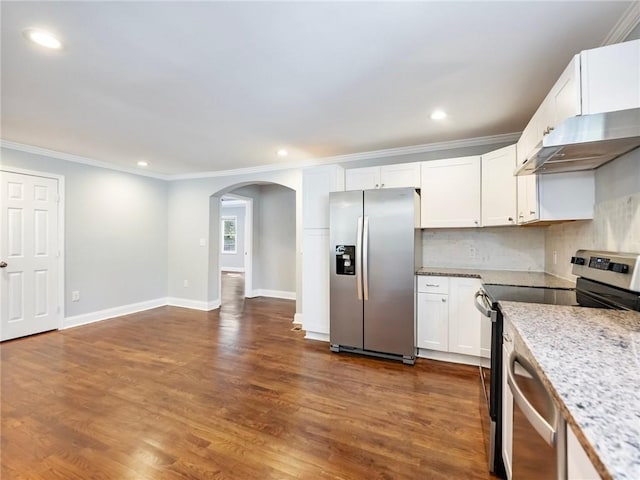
173	393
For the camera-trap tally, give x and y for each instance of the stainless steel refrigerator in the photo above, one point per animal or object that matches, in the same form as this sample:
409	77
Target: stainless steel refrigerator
375	250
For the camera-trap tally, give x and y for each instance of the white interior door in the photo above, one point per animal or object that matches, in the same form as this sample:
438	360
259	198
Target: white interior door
29	299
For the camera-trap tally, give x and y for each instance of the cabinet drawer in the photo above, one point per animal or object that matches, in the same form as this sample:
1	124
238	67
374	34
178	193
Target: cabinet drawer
433	284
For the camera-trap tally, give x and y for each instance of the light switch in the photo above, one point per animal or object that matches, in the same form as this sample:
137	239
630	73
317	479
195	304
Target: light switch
203	242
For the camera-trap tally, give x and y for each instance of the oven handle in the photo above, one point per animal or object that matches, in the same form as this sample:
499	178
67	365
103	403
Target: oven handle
485	309
546	431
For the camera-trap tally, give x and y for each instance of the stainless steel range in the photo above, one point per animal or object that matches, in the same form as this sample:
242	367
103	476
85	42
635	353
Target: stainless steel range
609	280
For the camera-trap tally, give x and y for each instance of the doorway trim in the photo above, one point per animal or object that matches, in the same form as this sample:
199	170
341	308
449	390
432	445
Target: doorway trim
61	230
248	245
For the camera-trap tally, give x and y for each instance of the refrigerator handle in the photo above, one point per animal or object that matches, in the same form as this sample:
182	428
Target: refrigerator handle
358	259
365	258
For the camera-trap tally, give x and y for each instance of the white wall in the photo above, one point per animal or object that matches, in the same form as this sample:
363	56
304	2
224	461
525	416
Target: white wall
115	233
616	223
235	261
498	248
275	230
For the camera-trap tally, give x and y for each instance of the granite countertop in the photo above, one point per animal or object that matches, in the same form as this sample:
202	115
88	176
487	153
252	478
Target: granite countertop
502	277
589	360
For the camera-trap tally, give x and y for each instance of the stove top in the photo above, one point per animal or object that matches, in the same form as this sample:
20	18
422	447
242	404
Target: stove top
549	296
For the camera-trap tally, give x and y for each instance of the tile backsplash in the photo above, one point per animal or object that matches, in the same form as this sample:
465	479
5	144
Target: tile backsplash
499	248
615	227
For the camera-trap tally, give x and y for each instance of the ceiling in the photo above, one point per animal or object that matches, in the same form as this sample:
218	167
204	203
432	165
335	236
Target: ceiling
208	86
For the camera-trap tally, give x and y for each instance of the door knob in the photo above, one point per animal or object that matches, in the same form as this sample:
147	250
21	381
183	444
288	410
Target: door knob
3	264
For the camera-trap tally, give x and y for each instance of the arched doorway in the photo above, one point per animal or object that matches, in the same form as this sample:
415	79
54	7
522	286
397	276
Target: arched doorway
269	247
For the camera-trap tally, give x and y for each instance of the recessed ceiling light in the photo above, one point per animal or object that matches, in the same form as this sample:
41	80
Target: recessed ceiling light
142	163
43	38
438	115
282	153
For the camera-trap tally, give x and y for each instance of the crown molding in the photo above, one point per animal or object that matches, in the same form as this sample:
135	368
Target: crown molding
627	22
69	157
352	157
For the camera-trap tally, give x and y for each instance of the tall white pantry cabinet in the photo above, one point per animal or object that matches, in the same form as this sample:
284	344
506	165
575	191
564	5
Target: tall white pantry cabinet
317	182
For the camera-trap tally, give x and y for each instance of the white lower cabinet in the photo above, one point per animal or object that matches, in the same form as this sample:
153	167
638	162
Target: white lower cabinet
447	320
464	319
433	321
579	467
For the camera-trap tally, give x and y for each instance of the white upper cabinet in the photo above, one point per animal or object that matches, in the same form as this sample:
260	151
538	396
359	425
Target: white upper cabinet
317	182
611	78
387	176
604	79
362	178
499	187
450	194
552	198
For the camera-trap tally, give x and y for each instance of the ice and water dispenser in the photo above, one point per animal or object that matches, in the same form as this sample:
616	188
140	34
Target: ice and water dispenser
345	259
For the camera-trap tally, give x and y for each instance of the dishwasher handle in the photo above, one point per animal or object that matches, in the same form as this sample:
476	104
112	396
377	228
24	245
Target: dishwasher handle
537	421
484	308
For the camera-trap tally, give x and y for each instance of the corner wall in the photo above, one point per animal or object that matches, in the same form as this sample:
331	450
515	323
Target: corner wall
115	235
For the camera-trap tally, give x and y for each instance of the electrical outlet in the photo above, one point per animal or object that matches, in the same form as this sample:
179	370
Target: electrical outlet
75	296
472	252
186	284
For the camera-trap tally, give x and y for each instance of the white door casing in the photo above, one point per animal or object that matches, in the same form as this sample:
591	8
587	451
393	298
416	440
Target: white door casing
31	284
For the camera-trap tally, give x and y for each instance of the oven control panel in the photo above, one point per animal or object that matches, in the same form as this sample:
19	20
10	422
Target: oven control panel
614	268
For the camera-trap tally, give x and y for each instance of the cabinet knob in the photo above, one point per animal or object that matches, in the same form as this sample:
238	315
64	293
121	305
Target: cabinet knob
476	222
444	300
547	130
376	185
382	185
532	212
510	219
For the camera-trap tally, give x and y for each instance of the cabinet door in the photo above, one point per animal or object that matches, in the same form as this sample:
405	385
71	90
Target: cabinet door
528	198
317	182
315	281
507	413
362	178
464	319
433	322
610	78
450	195
499	187
400	175
579	467
563	101
530	137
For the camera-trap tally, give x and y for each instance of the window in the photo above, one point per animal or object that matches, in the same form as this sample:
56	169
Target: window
228	229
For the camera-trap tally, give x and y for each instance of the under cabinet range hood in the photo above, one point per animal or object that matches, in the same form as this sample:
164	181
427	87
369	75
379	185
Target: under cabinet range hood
585	142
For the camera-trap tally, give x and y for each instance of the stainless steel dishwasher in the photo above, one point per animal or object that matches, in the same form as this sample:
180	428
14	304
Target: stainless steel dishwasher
539	430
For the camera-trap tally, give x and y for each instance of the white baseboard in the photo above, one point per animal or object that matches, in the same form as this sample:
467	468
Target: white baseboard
274	294
232	269
193	304
99	315
297	319
452	357
323	337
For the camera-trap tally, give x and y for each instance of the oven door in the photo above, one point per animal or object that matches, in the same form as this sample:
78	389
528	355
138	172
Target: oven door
491	386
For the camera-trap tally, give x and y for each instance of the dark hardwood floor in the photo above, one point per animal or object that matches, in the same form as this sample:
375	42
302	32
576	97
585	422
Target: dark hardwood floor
172	393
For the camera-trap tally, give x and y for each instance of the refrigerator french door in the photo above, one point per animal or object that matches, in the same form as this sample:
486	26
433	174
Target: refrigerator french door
374	246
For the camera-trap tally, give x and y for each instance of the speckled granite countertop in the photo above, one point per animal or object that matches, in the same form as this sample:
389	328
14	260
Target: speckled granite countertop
589	360
502	277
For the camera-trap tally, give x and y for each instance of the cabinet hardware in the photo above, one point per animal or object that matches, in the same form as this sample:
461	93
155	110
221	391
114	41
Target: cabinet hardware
432	285
444	300
532	212
510	219
3	264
